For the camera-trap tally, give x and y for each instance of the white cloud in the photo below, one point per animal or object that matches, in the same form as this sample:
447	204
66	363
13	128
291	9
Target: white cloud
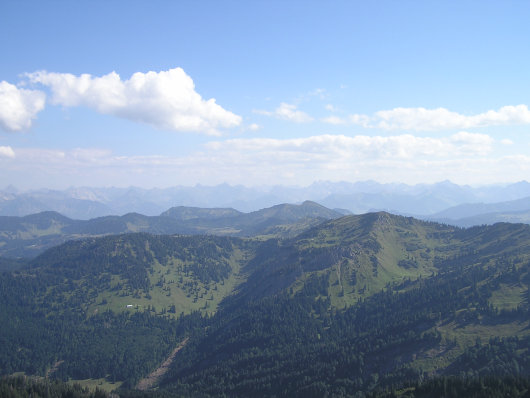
331	147
472	143
333	120
460	157
166	99
422	119
254	127
18	107
463	157
287	112
7	152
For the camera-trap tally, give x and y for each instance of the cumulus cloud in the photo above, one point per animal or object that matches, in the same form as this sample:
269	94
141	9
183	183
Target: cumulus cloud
166	99
18	107
6	152
422	119
471	143
287	112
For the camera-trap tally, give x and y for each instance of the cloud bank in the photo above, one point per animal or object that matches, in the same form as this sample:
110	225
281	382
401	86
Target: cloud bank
332	147
166	100
462	157
422	119
18	107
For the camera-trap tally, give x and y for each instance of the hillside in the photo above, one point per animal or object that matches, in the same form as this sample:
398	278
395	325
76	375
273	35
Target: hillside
171	273
475	209
471	214
491	218
30	235
105	307
468	312
352	304
281	220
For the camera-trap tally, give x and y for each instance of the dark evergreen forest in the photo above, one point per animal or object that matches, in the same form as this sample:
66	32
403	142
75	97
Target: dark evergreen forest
307	317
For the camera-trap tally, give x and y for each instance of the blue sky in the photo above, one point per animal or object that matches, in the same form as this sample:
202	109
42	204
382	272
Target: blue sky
161	93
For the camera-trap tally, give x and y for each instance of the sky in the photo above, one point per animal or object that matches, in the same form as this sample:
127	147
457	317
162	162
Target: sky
165	93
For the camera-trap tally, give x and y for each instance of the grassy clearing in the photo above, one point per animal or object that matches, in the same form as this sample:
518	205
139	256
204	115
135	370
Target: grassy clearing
467	335
102	384
406	253
508	297
435	360
171	286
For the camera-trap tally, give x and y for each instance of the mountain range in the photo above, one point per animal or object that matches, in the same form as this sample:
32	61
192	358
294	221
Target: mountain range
360	197
30	235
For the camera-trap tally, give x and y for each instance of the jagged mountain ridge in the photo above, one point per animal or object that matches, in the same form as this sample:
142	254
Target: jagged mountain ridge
360	197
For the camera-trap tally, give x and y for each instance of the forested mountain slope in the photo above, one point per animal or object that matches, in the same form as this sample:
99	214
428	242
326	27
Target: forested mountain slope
281	220
105	307
352	305
465	312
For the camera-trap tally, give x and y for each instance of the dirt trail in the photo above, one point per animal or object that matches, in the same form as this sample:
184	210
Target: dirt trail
54	368
153	378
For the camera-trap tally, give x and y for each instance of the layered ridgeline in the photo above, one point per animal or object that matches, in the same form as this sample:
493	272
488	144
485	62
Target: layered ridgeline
466	215
30	235
359	197
353	304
